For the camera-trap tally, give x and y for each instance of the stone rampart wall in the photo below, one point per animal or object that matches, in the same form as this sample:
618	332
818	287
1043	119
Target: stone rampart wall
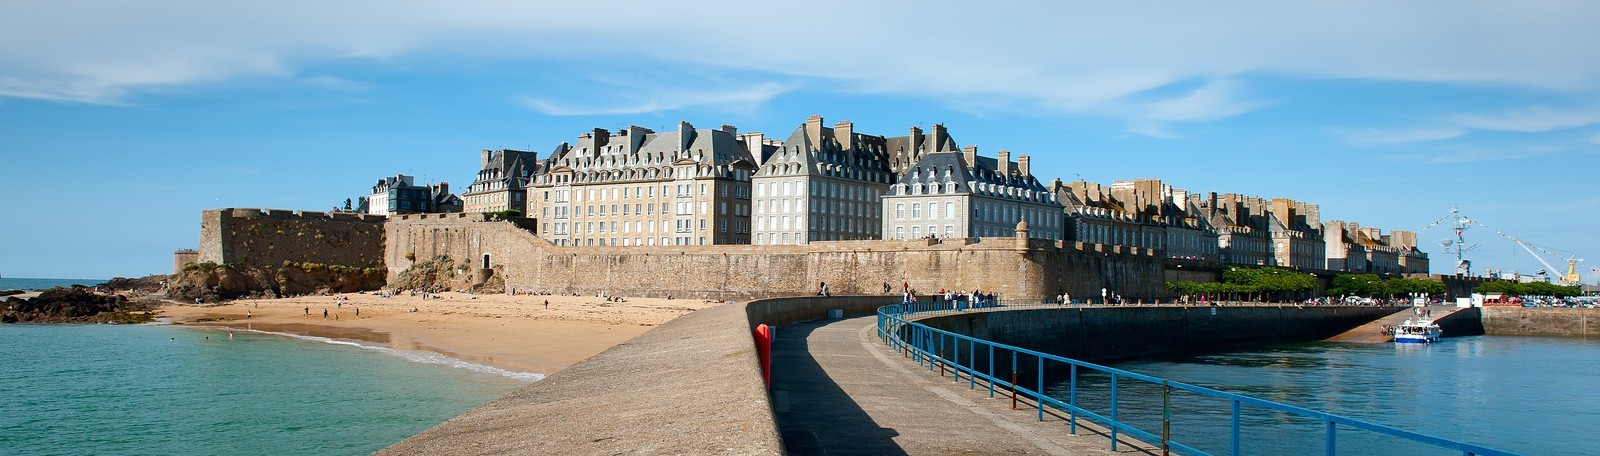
1540	321
1032	271
269	237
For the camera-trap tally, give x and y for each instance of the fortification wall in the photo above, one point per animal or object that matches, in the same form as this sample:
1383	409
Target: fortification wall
1540	321
1100	334
269	237
1033	270
182	257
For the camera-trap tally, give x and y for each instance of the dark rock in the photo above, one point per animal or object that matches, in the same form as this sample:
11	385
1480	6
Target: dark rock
77	304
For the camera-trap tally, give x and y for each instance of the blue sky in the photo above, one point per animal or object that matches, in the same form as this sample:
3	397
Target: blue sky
120	122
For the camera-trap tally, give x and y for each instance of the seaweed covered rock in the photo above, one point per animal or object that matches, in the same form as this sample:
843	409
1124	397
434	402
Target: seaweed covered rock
211	282
77	304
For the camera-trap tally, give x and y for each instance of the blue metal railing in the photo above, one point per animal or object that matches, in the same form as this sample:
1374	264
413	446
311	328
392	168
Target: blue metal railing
928	346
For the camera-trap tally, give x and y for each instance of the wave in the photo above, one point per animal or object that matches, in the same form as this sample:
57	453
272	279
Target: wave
416	356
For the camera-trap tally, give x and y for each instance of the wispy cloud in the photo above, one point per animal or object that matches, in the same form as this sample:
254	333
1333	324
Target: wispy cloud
329	82
1372	137
1218	98
659	99
1092	63
1534	119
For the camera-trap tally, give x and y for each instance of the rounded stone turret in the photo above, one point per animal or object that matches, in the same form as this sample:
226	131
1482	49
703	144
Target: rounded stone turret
1022	234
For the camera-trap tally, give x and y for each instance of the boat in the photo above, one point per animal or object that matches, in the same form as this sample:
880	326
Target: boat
1420	331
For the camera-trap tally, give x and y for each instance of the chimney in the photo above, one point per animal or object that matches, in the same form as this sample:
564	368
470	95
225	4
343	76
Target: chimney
685	135
484	164
814	129
729	129
1003	163
844	133
970	154
1022	166
939	137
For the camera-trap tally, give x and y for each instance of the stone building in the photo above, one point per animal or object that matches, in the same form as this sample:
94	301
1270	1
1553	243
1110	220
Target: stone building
642	188
502	182
1296	231
956	195
1241	225
1354	248
399	194
1142	213
820	184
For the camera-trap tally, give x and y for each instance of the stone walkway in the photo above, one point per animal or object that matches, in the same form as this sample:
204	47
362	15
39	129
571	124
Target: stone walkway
838	391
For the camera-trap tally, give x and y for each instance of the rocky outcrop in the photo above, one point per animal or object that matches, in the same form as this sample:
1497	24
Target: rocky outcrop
146	284
211	282
74	305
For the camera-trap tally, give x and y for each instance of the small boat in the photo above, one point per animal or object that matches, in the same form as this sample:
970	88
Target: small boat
1421	331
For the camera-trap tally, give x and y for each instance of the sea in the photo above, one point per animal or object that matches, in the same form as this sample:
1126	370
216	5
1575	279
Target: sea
9	283
172	390
1529	395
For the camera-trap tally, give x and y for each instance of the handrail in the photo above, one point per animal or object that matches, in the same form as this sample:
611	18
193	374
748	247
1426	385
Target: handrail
926	345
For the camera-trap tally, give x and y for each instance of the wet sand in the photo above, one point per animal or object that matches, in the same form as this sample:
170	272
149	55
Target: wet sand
510	332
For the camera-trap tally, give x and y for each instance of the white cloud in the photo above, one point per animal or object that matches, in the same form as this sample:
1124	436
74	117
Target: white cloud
1061	56
657	99
1370	137
1536	119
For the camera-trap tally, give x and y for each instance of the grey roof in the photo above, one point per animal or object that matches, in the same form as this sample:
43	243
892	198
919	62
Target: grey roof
945	167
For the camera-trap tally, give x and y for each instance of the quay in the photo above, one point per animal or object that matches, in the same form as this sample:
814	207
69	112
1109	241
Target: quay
694	386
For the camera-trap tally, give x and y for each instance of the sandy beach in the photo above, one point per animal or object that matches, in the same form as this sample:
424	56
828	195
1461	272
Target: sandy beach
515	333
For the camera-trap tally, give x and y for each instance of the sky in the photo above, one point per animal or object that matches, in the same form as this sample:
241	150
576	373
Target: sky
121	121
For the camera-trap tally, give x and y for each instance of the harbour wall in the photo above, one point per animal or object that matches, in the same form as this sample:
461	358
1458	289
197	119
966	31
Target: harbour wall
1103	334
1540	321
1017	269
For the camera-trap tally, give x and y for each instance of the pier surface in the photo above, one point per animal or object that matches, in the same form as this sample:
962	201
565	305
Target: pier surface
838	390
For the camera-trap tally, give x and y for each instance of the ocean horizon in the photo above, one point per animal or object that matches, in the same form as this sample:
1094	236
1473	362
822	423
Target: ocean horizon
37	284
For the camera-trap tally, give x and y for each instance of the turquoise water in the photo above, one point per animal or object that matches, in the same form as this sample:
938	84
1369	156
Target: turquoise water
1531	395
153	389
9	283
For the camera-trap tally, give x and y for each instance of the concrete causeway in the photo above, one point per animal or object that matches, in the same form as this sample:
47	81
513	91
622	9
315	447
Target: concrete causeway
837	390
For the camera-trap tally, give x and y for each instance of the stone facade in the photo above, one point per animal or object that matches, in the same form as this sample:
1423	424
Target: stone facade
820	184
502	182
182	257
1030	270
963	195
642	188
270	237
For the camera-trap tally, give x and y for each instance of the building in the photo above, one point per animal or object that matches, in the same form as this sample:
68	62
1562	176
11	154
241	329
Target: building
1240	223
1142	213
501	185
399	194
642	188
1357	249
820	184
953	195
1296	231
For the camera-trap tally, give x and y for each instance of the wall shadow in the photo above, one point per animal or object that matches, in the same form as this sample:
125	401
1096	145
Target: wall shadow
814	414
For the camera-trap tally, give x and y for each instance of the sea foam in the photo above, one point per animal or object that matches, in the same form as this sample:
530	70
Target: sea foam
416	356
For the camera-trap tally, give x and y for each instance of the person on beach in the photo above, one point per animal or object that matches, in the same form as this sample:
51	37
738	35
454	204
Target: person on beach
308	311
324	314
547	304
247	315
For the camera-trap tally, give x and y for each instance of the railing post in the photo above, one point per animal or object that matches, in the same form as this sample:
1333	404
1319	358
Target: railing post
1013	379
972	361
1114	423
1331	440
1072	399
991	371
1166	416
1038	394
1236	448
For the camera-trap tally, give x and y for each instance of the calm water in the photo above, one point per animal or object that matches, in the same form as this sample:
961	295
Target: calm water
150	389
1529	395
9	283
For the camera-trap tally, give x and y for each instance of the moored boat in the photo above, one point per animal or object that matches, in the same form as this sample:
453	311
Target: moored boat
1420	331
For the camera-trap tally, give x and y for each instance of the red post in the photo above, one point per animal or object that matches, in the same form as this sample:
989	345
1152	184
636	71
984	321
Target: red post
763	339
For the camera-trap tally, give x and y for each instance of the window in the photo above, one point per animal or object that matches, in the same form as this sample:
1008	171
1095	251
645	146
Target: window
899	232
900	210
916	211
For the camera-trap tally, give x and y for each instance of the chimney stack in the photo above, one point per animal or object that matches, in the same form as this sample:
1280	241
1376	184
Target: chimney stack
844	133
814	129
1022	166
1003	163
970	154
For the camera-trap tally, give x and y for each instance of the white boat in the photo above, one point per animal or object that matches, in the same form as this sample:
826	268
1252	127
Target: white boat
1422	331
